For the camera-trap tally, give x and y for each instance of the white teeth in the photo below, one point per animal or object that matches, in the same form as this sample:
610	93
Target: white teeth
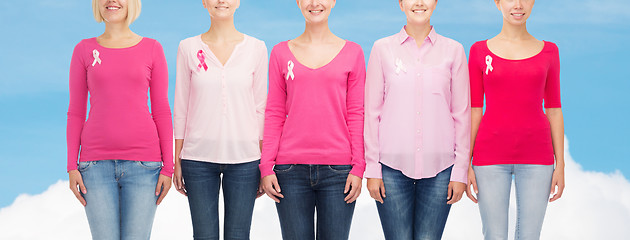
419	11
316	11
518	14
113	8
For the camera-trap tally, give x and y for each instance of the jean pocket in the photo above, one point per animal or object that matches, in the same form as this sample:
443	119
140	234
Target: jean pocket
283	168
149	165
85	165
340	168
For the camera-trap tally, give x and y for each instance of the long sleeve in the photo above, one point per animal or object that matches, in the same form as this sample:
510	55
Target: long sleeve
160	109
460	110
374	97
552	86
354	101
275	116
77	107
260	88
182	91
476	77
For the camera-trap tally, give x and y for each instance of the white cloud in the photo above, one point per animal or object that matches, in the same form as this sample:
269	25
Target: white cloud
595	206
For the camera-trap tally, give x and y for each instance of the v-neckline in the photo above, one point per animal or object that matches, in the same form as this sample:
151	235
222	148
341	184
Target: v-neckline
213	56
345	44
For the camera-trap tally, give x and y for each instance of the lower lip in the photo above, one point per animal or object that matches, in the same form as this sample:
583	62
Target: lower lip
112	10
518	17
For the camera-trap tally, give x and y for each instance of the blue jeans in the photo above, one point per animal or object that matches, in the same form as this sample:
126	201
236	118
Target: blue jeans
240	185
533	184
120	198
309	187
414	209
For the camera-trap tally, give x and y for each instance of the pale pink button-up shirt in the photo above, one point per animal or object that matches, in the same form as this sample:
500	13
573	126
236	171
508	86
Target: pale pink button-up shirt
219	110
417	107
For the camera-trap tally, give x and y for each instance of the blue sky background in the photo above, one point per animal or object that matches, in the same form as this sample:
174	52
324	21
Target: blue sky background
38	37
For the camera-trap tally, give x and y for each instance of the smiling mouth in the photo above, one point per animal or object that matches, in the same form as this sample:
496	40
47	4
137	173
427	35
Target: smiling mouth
222	7
315	11
518	14
113	8
419	11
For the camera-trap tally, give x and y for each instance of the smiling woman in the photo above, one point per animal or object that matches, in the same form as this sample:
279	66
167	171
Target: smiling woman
106	14
125	163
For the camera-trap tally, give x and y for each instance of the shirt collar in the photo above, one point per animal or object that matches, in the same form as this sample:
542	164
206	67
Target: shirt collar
402	36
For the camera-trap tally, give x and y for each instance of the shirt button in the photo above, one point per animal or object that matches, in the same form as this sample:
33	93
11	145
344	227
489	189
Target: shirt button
418	149
418	113
418	131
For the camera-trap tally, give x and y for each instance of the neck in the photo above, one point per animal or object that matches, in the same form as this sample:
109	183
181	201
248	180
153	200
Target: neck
222	30
317	32
514	32
419	32
117	30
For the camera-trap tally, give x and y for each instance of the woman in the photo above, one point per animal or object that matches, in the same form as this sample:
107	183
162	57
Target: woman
314	129
122	145
417	126
219	111
516	73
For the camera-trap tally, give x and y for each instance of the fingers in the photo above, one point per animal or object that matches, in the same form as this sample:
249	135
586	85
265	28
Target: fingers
376	194
376	188
178	182
449	192
272	188
456	195
162	189
260	191
382	188
353	188
347	187
75	179
75	191
355	191
472	187
558	195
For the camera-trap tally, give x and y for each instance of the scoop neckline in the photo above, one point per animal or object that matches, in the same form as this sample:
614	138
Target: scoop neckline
345	44
545	43
130	47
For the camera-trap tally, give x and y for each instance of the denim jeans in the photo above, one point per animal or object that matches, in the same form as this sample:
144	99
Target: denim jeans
414	209
120	198
240	185
310	187
533	184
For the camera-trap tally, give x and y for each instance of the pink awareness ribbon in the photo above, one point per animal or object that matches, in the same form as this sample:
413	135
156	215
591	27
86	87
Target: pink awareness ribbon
202	61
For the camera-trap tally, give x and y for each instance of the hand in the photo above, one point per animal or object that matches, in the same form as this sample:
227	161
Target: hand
376	187
557	181
353	188
178	180
455	191
260	190
163	185
472	182
271	187
75	179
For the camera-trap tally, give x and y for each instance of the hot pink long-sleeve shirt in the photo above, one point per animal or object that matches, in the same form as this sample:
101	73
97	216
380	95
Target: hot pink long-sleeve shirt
315	116
120	125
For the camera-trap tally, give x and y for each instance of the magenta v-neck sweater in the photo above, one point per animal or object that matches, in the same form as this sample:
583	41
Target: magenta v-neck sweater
120	125
315	116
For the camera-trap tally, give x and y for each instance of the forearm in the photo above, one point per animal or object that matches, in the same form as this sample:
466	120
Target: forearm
556	122
476	115
179	144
